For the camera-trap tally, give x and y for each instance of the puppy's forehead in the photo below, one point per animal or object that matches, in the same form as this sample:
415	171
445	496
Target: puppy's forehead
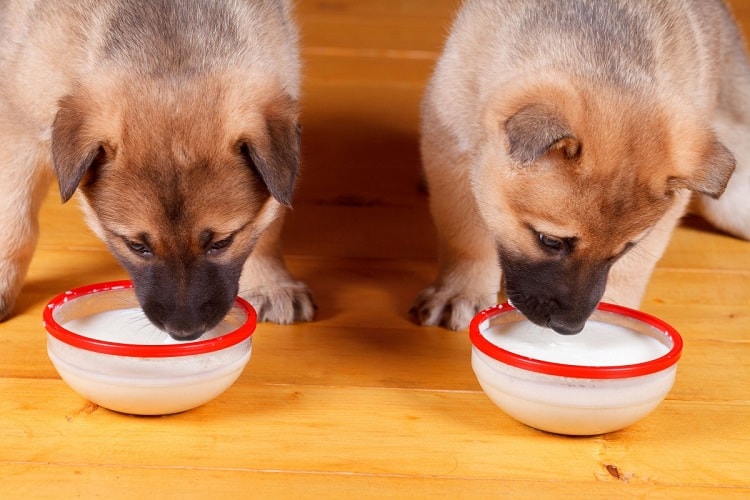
166	197
565	204
178	165
190	119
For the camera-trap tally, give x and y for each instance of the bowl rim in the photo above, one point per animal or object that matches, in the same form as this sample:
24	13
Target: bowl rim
190	348
497	353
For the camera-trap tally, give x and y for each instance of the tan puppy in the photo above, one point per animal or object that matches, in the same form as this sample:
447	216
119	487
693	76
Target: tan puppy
563	140
177	121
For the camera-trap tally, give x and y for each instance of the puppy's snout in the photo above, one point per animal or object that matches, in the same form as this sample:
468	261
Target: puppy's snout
557	295
185	312
185	322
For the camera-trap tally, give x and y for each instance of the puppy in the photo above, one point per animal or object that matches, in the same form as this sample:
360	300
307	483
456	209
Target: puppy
563	141
177	122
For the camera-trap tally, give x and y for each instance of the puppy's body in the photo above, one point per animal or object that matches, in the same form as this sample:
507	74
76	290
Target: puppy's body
178	123
564	139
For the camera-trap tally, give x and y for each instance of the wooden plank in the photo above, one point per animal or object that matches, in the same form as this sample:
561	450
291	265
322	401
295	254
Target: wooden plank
697	245
391	69
386	38
443	434
436	11
702	304
78	481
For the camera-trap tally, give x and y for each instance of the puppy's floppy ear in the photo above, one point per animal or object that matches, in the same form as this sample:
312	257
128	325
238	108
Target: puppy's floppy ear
712	166
276	156
537	129
74	151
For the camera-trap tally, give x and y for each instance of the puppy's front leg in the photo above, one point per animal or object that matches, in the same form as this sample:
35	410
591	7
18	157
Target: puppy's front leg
268	286
24	180
469	274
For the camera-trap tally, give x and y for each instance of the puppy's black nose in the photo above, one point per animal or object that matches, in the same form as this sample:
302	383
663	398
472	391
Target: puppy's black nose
565	328
178	330
185	336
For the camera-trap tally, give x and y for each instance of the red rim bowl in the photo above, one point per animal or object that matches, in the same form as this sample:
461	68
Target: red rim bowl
659	329
191	348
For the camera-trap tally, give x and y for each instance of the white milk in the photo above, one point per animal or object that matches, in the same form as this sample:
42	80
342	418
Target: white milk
599	344
129	326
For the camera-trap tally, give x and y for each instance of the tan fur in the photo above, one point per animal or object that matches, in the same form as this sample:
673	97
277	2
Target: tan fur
535	124
156	135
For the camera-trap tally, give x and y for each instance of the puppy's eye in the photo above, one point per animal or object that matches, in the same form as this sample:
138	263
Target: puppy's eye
218	246
555	245
622	252
140	249
551	242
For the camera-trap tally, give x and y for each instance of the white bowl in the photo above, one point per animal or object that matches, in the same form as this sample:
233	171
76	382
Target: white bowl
103	346
612	374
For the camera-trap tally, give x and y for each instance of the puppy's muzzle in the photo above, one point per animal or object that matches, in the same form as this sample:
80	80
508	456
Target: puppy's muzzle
187	322
186	303
553	296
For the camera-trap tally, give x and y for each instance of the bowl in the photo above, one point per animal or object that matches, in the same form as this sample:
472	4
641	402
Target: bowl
104	347
609	376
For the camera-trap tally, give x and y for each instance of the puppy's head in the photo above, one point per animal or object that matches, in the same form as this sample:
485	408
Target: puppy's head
577	180
180	183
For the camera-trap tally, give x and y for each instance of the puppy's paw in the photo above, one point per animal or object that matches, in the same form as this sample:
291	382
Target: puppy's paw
6	306
10	289
283	303
448	308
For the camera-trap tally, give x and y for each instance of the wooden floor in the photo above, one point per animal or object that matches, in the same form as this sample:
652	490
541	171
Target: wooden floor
361	403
